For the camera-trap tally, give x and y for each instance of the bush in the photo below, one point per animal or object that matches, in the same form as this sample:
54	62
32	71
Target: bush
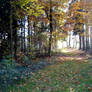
12	72
23	59
6	63
9	74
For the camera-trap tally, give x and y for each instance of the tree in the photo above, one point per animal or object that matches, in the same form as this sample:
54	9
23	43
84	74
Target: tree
76	17
54	12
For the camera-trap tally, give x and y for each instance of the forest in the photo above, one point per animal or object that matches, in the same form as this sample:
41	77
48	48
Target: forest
45	45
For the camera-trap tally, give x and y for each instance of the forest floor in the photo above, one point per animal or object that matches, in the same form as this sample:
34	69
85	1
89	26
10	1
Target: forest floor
69	71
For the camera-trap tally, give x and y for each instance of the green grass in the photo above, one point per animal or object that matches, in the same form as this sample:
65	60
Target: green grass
69	76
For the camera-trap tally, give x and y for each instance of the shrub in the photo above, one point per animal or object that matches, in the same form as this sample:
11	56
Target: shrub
9	74
23	59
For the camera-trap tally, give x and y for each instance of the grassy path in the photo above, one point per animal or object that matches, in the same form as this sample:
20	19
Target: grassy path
72	72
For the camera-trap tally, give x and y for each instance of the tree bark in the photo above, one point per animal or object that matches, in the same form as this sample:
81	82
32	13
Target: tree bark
15	44
51	29
28	35
21	36
80	47
24	37
11	33
83	42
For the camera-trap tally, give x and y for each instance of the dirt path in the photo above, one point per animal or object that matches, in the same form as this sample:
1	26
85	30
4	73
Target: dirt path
72	54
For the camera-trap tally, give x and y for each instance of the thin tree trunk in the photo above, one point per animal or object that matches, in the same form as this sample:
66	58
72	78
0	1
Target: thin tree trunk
83	42
24	38
11	33
87	39
31	33
69	39
15	44
91	39
21	36
80	47
51	28
28	35
0	47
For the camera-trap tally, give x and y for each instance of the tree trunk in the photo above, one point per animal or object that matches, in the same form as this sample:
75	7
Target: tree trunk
83	42
91	39
69	39
80	47
15	44
87	38
11	33
24	38
21	36
28	35
51	29
1	54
